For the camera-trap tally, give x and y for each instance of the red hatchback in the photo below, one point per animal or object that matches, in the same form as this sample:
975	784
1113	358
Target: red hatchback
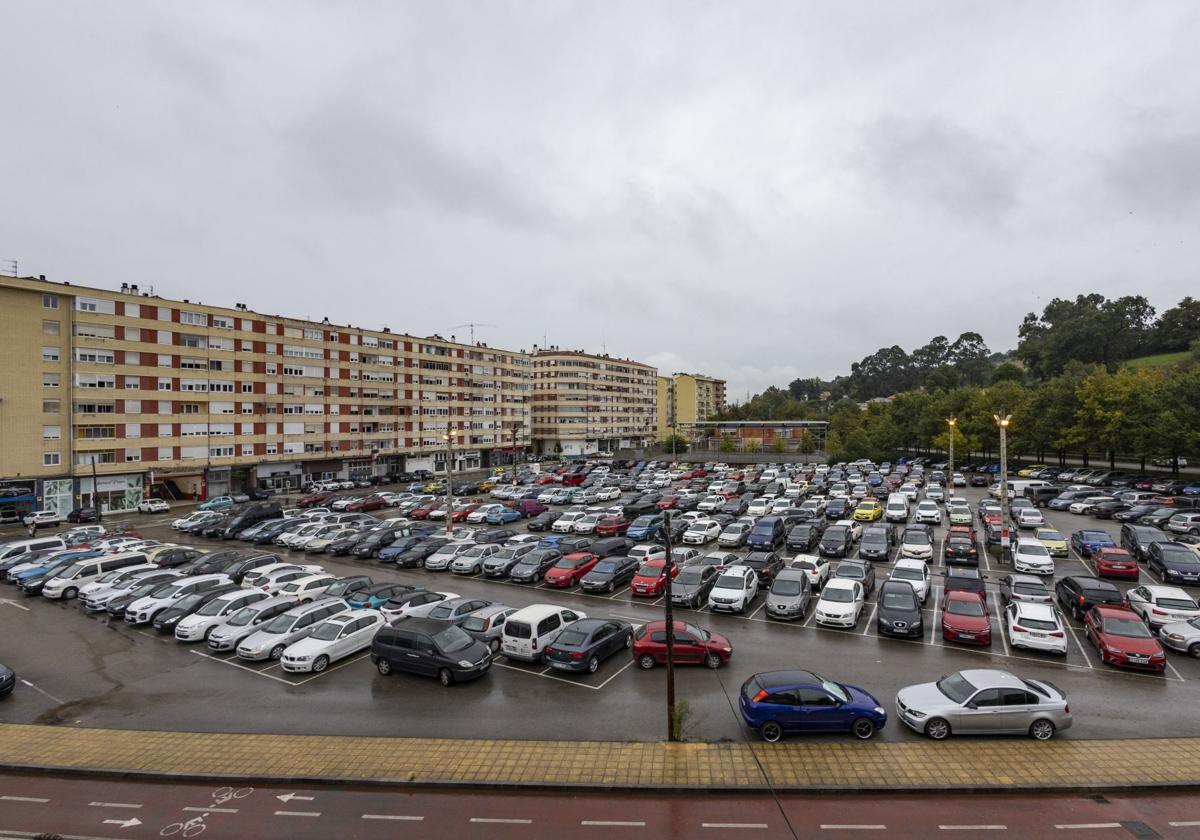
1123	639
612	526
692	644
1116	563
650	579
461	514
568	570
965	618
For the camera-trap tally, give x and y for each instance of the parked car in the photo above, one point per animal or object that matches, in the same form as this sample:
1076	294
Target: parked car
899	611
965	618
274	637
691	645
1077	594
1024	589
777	703
734	590
841	603
1173	562
429	648
692	586
1115	562
965	703
1122	639
1159	605
789	594
528	631
916	574
587	642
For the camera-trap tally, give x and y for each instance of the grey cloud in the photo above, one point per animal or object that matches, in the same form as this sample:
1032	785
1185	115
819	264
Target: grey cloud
934	161
1159	174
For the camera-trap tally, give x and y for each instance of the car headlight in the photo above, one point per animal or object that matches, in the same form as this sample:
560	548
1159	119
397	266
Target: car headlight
917	714
727	650
880	711
463	663
1175	637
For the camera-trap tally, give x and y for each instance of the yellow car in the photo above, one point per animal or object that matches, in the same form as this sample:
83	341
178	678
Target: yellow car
1030	470
868	510
1053	541
484	486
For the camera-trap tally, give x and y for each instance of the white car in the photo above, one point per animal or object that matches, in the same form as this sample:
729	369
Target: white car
607	494
690	517
194	516
779	506
856	528
1159	605
935	493
818	569
909	491
307	588
928	512
734	589
841	603
105	582
1032	556
294	539
710	503
252	578
1029	518
441	559
916	574
153	506
1035	626
43	517
274	583
480	514
586	524
647	551
1082	505
199	625
115	544
958	480
143	610
334	638
701	532
470	562
319	544
816	504
419	605
759	507
958	511
565	524
100	598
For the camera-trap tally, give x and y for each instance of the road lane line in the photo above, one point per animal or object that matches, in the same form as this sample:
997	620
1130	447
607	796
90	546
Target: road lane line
208	810
404	817
500	821
734	825
853	827
114	805
973	827
622	823
757	611
1000	628
1075	636
544	676
297	813
1085	826
35	799
870	620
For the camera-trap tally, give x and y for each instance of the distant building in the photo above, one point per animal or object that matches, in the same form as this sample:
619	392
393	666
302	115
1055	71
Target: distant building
687	398
584	403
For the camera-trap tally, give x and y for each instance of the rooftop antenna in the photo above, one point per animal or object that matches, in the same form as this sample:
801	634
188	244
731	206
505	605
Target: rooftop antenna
10	266
472	327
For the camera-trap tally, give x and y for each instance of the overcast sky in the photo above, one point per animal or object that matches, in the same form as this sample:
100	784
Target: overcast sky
753	190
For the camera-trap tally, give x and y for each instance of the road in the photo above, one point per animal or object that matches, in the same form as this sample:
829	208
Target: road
96	808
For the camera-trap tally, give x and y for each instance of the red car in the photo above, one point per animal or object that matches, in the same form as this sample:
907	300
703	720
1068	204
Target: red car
1123	639
692	644
461	515
1115	562
424	511
667	502
544	479
369	503
650	579
314	499
612	526
965	619
569	569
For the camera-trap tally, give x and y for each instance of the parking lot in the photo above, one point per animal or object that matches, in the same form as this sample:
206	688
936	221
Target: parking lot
88	670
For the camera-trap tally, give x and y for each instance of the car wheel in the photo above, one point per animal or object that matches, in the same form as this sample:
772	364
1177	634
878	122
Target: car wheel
712	661
494	644
1075	614
68	594
938	729
629	641
383	666
611	587
1042	730
277	652
445	677
593	665
770	731
320	664
208	633
646	661
863	729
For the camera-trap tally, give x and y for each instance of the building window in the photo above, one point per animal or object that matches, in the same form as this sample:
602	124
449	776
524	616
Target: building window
190	408
51	432
84	305
198	319
51	406
50	354
132	455
222	322
272	449
50	302
51	327
51	459
164	384
50	380
132	383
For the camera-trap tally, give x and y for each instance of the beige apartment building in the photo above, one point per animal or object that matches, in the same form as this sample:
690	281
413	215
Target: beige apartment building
585	403
687	398
105	393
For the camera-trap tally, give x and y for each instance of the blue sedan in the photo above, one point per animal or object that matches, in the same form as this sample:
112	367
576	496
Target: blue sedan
1087	542
777	703
503	516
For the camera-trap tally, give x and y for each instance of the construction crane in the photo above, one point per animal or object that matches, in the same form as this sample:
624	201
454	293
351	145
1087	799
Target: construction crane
472	326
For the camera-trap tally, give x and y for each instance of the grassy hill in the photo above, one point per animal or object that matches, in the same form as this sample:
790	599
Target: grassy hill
1159	360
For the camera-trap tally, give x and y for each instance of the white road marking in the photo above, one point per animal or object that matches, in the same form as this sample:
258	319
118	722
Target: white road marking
544	676
1186	824
500	820
241	667
1075	636
734	825
624	667
870	619
114	805
12	603
404	817
36	799
364	655
1001	628
853	827
757	611
620	823
1087	825
43	691
208	810
297	813
973	827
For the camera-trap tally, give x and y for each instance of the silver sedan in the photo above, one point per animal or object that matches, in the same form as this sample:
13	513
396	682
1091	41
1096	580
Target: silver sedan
1183	636
984	702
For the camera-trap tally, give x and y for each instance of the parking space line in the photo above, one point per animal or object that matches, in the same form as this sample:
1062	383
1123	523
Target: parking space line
624	668
621	591
870	620
334	668
1000	629
544	676
1175	671
1075	636
758	610
240	667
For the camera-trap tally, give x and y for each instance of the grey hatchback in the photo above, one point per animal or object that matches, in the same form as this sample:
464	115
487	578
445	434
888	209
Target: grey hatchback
789	595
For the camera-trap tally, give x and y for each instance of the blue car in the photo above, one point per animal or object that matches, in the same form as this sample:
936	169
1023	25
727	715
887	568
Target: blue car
1087	542
47	568
374	597
503	517
219	503
645	527
1192	489
778	703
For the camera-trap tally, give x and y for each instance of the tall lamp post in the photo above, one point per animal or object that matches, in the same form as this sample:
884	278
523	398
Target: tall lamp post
516	427
1002	422
670	618
449	438
953	423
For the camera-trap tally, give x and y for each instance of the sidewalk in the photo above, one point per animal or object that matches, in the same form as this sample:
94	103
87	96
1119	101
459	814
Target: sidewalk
811	766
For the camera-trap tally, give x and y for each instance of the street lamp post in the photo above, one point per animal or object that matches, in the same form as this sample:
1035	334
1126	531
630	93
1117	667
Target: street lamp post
1002	422
953	421
449	438
670	617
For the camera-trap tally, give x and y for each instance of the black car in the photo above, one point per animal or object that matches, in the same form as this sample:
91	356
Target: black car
414	557
347	587
82	515
429	648
586	643
534	565
691	586
766	565
1135	513
176	557
610	546
959	548
216	529
876	543
401	545
345	545
543	521
864	573
1137	539
734	507
837	541
979	480
8	680
1079	593
1157	518
1173	562
249	516
272	529
899	611
496	536
238	569
572	544
165	620
370	543
837	509
609	573
1106	510
966	580
805	536
212	563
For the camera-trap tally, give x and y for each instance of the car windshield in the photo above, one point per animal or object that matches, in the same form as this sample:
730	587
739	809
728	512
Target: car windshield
916	538
957	607
168	591
1035	549
907	574
340	587
568	562
836	690
242	617
732	582
280	624
690	576
852	572
956	688
327	631
571	637
70	571
452	639
898	600
211	608
1177	603
650	570
785	586
1037	623
1179	556
870	538
837	595
1132	628
1030	589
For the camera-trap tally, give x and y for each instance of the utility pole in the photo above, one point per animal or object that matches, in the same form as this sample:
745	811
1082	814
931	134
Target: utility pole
96	491
953	421
670	618
449	438
1002	422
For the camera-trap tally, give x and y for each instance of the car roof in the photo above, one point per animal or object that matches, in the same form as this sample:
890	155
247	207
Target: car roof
1160	591
991	678
779	679
840	583
962	595
910	563
1044	612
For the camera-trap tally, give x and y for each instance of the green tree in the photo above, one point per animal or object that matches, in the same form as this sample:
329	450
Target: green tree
677	444
780	445
807	444
727	444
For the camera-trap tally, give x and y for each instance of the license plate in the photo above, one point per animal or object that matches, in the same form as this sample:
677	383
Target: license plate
1038	635
562	665
1141	660
966	635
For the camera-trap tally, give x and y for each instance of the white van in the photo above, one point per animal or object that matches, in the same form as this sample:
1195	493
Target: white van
528	631
67	582
896	509
1016	489
15	549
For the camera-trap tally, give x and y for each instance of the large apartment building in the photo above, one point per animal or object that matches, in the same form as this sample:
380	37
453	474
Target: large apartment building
585	403
687	398
103	393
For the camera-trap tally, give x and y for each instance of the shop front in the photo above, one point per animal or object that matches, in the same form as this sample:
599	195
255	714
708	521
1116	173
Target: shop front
111	493
57	495
283	477
17	500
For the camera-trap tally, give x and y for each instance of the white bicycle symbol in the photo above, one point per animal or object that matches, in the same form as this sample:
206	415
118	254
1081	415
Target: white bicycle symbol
196	826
